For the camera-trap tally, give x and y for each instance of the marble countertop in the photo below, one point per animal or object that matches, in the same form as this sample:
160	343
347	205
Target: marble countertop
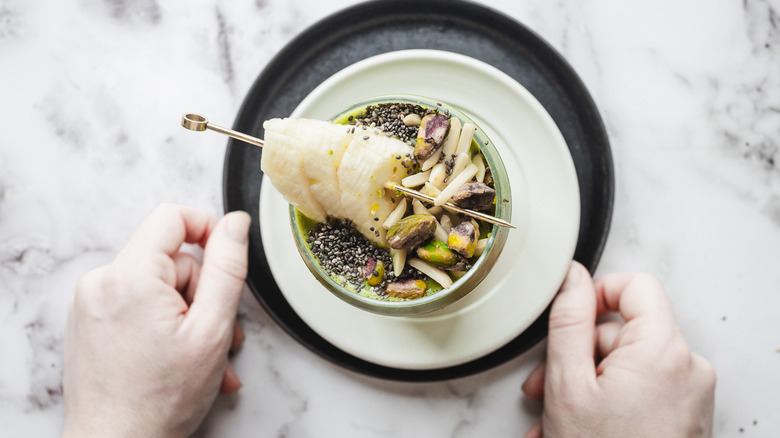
91	92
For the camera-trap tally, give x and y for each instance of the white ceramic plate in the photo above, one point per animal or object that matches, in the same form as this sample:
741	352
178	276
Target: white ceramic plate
537	254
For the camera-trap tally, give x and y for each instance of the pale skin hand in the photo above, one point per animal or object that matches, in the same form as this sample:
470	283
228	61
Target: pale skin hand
148	335
636	378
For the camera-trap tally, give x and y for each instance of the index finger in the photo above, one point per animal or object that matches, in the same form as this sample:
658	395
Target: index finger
634	295
168	226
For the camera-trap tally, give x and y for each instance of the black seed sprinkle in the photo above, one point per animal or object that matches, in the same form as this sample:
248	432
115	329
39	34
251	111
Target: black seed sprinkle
342	252
389	119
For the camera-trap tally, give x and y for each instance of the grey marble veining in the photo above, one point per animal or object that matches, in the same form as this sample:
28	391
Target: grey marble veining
90	96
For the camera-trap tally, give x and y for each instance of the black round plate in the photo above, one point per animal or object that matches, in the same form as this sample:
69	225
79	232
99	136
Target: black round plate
382	26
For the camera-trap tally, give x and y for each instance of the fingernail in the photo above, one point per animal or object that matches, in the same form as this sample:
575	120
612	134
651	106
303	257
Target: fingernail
572	277
237	224
238	338
231	375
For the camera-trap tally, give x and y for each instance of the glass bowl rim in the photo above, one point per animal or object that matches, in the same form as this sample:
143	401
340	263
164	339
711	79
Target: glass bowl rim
494	245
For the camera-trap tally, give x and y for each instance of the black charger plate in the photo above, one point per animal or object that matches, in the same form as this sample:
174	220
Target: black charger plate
376	27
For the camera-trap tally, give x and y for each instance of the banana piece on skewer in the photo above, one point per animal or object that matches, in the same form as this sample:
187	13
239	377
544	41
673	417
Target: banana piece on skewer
325	169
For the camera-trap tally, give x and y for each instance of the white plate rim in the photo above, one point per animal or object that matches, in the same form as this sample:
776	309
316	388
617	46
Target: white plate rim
354	330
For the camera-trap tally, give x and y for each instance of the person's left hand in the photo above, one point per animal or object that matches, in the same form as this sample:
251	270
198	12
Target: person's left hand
148	335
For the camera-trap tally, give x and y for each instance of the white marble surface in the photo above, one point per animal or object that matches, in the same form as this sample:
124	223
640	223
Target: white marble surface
90	97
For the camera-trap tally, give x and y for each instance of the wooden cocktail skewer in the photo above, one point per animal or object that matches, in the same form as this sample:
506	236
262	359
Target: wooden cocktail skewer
196	122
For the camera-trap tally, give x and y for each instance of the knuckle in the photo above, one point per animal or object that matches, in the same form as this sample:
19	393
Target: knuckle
677	358
90	284
564	318
232	267
706	371
165	208
647	280
95	290
161	266
87	282
110	281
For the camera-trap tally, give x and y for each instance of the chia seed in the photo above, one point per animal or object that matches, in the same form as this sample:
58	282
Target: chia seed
449	164
342	252
389	119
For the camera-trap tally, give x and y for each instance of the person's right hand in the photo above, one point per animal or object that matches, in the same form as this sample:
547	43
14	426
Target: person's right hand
636	378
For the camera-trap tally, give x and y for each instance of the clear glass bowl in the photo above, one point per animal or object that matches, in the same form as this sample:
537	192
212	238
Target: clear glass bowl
473	276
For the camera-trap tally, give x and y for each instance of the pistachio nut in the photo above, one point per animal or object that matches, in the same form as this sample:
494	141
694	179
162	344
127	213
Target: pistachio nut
463	238
474	195
433	129
373	271
411	231
438	254
409	288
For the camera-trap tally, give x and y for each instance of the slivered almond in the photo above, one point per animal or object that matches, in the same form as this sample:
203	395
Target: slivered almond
435	273
466	135
417	179
418	207
451	141
458	181
396	214
399	260
430	190
446	222
461	161
430	162
438	175
480	163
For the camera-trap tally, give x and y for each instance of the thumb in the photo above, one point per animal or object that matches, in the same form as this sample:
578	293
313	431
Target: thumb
570	346
223	273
